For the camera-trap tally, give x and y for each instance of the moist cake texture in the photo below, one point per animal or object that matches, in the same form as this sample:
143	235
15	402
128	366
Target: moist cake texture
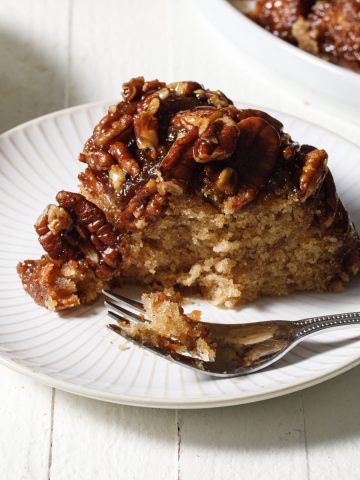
329	29
167	327
184	191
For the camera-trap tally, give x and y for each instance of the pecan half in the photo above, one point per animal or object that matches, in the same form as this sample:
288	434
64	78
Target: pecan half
124	158
143	207
145	127
177	150
217	132
92	221
49	227
257	152
117	128
249	112
218	141
115	112
313	172
97	159
258	148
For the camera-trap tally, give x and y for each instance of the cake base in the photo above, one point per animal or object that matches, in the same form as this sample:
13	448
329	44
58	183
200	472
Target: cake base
273	246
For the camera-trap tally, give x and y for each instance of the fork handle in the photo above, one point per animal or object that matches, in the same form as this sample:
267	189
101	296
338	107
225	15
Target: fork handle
312	325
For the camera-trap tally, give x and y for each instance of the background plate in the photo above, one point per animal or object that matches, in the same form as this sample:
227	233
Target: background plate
74	351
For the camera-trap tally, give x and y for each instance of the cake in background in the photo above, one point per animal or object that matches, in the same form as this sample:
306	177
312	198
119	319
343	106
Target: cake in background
329	29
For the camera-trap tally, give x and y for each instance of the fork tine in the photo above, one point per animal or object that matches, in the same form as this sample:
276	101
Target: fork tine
127	302
119	311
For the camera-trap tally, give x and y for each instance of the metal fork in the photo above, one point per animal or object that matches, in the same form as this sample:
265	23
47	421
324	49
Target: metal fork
241	348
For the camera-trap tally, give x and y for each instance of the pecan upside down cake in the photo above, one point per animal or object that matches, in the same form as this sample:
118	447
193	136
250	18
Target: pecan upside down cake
185	191
327	28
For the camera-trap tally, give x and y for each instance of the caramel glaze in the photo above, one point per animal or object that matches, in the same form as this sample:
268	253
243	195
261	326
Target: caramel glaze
165	140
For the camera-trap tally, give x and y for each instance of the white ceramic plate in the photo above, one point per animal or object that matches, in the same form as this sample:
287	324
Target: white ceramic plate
74	351
301	67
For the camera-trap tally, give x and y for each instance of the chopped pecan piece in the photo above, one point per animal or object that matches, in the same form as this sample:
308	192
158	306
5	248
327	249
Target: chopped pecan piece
226	181
245	196
313	172
132	90
290	151
117	178
218	99
153	85
183	89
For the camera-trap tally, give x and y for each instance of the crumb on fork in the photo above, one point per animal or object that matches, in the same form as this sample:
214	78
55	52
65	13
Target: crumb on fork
168	327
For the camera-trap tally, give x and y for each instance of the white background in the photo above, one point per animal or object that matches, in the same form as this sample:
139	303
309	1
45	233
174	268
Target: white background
58	53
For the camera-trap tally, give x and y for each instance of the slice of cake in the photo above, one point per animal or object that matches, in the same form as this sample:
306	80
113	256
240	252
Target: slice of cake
185	191
329	29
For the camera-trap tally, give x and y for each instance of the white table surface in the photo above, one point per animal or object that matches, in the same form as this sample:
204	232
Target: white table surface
65	52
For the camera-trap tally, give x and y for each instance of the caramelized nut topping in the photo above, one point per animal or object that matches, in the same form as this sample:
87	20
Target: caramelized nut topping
174	131
164	141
